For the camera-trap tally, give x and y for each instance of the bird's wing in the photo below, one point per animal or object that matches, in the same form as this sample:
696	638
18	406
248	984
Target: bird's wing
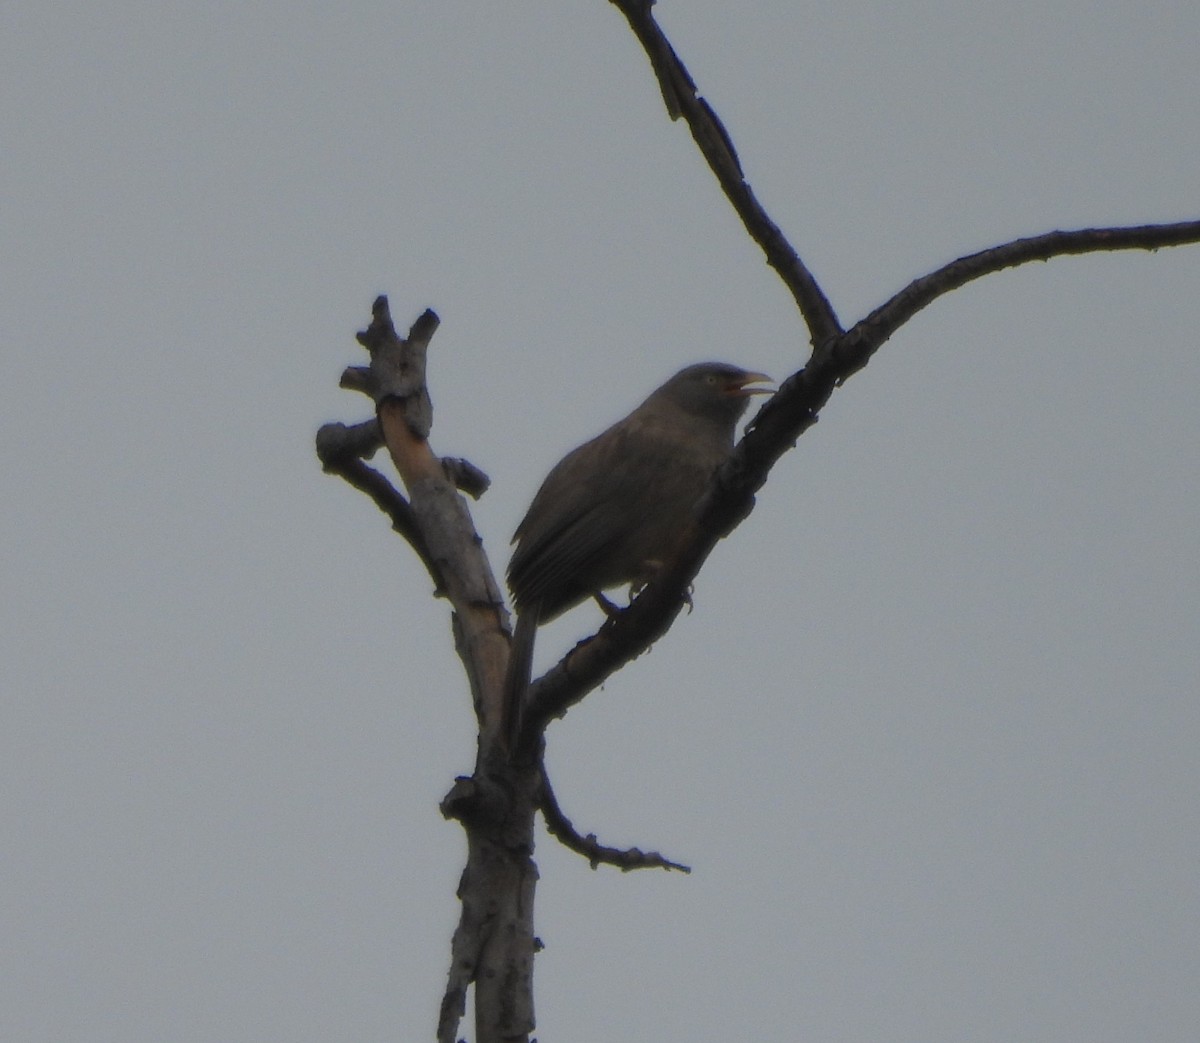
583	530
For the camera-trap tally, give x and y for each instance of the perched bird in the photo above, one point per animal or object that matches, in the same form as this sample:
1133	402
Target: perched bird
609	512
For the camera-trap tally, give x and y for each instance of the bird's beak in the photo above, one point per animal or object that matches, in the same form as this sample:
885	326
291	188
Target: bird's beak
738	386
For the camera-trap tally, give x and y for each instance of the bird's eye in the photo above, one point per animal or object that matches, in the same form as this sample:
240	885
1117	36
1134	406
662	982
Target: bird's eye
710	378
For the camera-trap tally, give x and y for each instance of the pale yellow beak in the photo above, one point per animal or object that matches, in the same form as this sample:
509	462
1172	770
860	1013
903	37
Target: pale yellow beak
739	388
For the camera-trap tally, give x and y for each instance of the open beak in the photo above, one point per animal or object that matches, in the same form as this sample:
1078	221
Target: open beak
738	387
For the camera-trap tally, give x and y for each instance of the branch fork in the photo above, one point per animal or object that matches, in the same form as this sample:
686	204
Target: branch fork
493	945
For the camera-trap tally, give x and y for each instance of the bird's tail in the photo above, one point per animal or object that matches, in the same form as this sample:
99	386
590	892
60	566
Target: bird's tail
516	677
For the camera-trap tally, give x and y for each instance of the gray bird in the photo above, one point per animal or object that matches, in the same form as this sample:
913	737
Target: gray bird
609	512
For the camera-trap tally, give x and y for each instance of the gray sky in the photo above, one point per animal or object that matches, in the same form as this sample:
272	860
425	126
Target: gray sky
929	737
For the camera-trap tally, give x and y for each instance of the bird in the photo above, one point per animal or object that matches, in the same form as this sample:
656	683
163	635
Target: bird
610	511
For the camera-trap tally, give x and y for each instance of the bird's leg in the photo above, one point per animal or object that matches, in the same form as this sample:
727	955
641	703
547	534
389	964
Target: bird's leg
650	569
647	571
607	607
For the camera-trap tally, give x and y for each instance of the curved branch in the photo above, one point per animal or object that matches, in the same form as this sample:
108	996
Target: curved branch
559	826
872	332
682	99
780	422
795	407
339	448
631	631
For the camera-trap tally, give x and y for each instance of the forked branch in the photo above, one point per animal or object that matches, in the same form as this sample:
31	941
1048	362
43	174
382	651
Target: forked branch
836	356
493	945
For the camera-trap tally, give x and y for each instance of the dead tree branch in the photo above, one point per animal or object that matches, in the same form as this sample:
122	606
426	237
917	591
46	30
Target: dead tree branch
625	859
493	943
836	356
341	450
780	422
682	99
877	327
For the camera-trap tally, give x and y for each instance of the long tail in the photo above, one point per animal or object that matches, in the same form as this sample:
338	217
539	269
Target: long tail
520	668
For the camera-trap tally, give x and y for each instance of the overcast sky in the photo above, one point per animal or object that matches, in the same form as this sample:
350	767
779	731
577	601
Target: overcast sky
929	738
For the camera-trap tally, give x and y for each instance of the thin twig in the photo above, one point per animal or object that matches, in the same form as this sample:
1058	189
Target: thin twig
713	140
877	327
559	826
366	479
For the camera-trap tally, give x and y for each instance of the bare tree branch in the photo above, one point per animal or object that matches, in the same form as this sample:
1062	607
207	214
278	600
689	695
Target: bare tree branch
837	355
337	441
339	448
493	943
465	946
681	97
439	513
877	327
558	825
466	476
779	423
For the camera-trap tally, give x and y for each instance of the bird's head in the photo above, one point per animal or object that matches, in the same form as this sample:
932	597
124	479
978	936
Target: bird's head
713	390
